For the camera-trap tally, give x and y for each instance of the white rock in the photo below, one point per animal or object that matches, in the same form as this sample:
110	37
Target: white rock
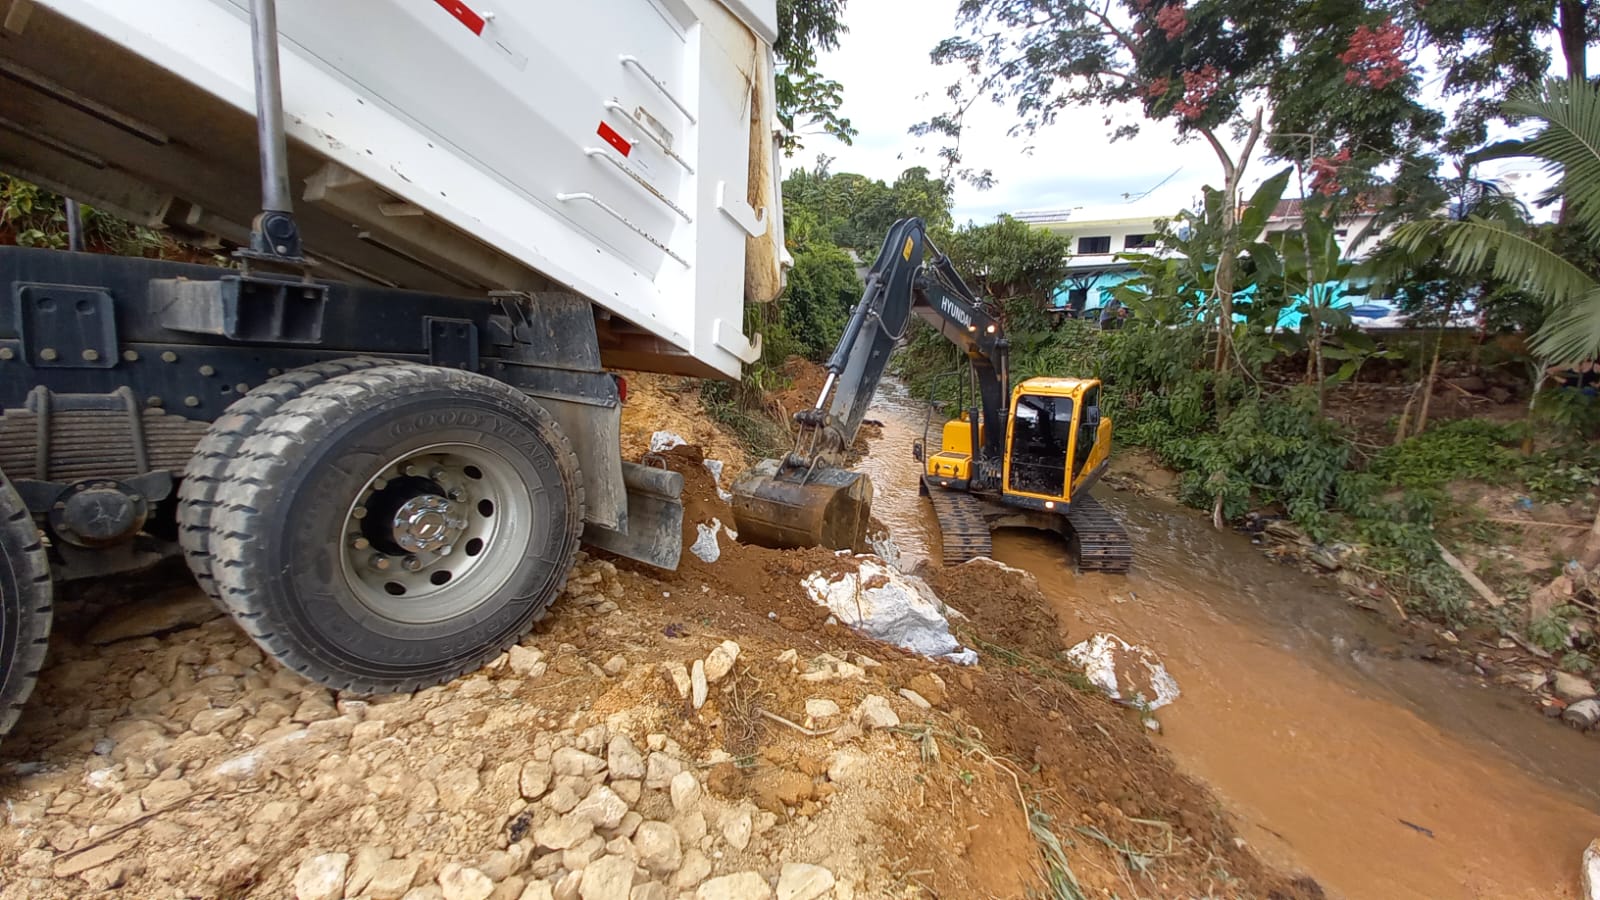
678	673
697	684
211	720
660	769
738	886
827	667
610	878
1591	871
534	779
915	699
875	712
602	807
563	832
623	760
393	879
685	791
719	662
657	848
363	867
571	761
1572	687
538	890
821	708
897	609
321	877
694	870
1124	670
464	883
801	881
527	661
737	826
567	887
650	890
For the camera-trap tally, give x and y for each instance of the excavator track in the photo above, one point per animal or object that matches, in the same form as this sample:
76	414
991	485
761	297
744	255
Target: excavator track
1098	540
962	527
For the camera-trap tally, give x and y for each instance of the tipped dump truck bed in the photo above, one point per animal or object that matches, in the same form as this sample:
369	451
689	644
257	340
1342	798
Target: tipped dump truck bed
619	149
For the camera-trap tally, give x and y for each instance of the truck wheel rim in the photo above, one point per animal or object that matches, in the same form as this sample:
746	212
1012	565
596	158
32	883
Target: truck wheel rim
435	532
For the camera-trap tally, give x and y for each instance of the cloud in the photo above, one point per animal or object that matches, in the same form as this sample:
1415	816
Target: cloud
891	84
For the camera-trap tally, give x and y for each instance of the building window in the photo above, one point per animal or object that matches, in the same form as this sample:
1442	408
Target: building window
1077	299
1138	241
1088	245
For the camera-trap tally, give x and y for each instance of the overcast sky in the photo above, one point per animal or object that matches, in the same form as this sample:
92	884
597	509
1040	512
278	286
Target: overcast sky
890	84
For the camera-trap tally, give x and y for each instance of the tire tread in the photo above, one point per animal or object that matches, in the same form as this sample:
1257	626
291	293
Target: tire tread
281	442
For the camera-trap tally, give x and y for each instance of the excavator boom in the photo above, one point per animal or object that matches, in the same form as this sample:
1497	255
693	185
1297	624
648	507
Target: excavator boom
808	498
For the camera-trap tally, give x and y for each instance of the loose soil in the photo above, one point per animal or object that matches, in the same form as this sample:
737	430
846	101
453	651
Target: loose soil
163	756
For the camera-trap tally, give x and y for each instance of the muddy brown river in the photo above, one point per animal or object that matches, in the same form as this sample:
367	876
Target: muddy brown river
1381	776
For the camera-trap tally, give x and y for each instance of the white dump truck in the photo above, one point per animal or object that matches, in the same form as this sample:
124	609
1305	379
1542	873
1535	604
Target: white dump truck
379	423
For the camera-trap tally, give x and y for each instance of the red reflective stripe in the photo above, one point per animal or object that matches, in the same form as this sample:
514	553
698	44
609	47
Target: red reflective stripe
610	136
463	14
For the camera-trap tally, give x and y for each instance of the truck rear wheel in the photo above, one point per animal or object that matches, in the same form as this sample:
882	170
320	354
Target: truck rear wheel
25	604
394	528
197	495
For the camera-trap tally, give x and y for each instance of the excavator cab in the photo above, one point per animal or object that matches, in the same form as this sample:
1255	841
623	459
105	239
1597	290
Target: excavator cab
1057	442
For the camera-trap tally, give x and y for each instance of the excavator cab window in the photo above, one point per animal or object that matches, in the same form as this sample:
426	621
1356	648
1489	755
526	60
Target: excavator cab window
1088	429
1041	436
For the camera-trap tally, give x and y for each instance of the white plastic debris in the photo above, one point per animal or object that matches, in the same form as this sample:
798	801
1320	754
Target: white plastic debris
705	546
884	603
714	466
1125	671
884	546
662	441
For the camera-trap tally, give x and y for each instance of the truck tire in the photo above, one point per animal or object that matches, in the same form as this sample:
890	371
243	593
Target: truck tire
394	528
201	478
25	604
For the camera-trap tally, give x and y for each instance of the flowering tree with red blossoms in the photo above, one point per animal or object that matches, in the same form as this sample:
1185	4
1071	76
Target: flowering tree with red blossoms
1334	71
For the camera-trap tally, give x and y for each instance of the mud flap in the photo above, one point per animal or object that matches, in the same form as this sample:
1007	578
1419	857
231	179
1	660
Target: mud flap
653	530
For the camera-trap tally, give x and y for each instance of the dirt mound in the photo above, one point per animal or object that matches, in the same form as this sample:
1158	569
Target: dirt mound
805	379
1005	603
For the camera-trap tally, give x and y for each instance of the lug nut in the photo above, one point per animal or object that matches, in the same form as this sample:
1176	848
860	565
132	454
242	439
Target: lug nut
413	471
359	512
445	550
360	543
458	495
380	562
412	564
380	484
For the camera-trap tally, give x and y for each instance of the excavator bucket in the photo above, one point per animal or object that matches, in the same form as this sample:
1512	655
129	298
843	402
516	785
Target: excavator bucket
785	509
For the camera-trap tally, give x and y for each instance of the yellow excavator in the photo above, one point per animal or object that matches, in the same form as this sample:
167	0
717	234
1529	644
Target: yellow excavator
1023	455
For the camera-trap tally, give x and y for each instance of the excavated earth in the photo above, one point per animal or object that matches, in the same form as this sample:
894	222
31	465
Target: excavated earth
707	733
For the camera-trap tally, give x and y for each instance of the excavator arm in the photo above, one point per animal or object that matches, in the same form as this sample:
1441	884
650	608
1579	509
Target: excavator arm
808	498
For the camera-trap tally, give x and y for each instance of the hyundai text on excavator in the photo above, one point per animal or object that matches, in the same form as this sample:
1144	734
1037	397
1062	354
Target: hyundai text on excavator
1023	455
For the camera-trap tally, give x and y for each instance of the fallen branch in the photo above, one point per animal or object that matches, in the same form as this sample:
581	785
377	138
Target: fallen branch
1535	523
1471	578
805	731
141	819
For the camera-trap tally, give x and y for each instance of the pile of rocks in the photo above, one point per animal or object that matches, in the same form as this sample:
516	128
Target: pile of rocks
190	765
597	818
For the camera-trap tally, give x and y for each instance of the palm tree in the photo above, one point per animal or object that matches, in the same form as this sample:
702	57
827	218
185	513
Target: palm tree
1568	142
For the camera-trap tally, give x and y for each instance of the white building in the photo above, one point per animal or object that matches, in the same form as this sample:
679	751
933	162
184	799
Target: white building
1099	235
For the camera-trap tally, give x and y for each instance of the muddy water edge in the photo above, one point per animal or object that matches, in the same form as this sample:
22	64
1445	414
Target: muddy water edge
1378	774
